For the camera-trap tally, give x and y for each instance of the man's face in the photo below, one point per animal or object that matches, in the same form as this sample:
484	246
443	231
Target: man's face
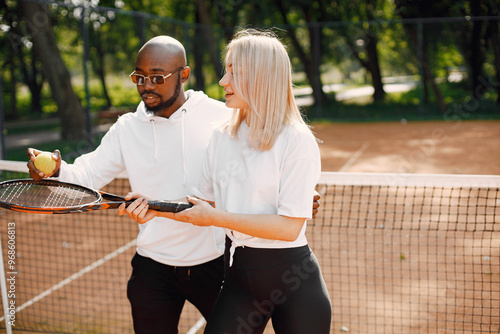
160	99
156	104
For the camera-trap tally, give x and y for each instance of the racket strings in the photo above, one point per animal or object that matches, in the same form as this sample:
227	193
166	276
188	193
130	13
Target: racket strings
10	193
36	195
62	196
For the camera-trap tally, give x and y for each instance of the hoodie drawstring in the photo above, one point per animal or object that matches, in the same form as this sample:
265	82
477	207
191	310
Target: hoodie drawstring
154	134
183	114
183	147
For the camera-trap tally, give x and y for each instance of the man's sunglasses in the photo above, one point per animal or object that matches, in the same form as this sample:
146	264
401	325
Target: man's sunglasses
156	79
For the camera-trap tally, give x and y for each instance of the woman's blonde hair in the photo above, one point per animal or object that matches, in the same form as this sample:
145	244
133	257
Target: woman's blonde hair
263	78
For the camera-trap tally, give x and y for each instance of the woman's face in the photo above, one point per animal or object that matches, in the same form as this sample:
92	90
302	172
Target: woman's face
233	100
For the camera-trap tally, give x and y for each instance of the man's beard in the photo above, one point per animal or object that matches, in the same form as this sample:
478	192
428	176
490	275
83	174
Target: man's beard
164	105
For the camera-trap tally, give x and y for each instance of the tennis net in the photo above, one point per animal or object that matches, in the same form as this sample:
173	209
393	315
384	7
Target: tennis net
400	253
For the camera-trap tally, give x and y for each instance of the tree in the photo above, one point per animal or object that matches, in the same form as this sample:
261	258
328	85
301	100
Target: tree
20	58
360	37
409	10
207	29
494	34
310	60
476	41
38	24
97	51
205	41
360	31
110	42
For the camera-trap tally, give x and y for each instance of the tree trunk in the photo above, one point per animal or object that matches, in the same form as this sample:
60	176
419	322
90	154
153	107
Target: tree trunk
102	78
476	59
313	71
427	76
208	35
44	43
225	16
198	47
10	62
372	53
33	78
310	66
36	86
374	67
13	92
100	68
34	82
495	42
371	64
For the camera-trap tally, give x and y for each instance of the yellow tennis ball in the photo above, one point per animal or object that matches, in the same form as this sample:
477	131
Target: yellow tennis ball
45	163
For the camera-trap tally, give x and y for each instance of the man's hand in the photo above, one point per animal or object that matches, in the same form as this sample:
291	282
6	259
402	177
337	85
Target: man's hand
36	174
316	199
137	210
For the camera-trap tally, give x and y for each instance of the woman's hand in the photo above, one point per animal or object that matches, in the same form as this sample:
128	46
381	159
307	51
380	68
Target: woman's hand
139	211
201	214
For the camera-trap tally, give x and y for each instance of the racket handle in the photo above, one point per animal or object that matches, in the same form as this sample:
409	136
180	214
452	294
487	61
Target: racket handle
169	206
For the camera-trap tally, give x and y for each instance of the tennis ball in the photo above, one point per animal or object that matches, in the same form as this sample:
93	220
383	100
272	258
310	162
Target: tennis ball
45	163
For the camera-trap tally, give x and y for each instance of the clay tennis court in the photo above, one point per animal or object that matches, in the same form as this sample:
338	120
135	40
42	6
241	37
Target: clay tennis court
390	279
455	147
441	147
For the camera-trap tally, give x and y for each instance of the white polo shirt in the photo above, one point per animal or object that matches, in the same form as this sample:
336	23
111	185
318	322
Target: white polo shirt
241	179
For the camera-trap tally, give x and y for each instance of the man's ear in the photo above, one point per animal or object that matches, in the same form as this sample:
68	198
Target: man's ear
185	73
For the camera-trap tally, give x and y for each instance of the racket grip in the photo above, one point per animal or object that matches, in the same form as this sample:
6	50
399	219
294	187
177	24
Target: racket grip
169	206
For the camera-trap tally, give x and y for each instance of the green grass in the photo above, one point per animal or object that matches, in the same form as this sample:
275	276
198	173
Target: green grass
399	106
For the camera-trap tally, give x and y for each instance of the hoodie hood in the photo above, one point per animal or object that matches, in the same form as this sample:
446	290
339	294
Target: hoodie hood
193	99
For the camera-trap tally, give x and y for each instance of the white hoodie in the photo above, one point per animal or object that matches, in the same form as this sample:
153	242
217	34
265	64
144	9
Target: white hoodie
160	156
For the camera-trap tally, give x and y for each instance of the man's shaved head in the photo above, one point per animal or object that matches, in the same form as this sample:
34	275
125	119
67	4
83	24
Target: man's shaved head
162	55
171	49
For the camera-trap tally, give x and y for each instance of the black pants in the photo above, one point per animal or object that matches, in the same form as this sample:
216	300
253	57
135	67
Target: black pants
284	285
157	292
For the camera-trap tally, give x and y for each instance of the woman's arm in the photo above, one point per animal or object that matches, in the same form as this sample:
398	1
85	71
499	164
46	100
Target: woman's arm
266	226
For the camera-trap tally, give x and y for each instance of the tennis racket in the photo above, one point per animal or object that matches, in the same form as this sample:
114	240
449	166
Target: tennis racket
53	197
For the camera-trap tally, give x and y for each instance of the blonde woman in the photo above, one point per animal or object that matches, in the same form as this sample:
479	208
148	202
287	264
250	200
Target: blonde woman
260	172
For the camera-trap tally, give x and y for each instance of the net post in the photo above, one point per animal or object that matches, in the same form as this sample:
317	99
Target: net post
3	153
3	286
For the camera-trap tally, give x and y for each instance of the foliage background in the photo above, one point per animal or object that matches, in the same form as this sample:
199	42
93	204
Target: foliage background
446	52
